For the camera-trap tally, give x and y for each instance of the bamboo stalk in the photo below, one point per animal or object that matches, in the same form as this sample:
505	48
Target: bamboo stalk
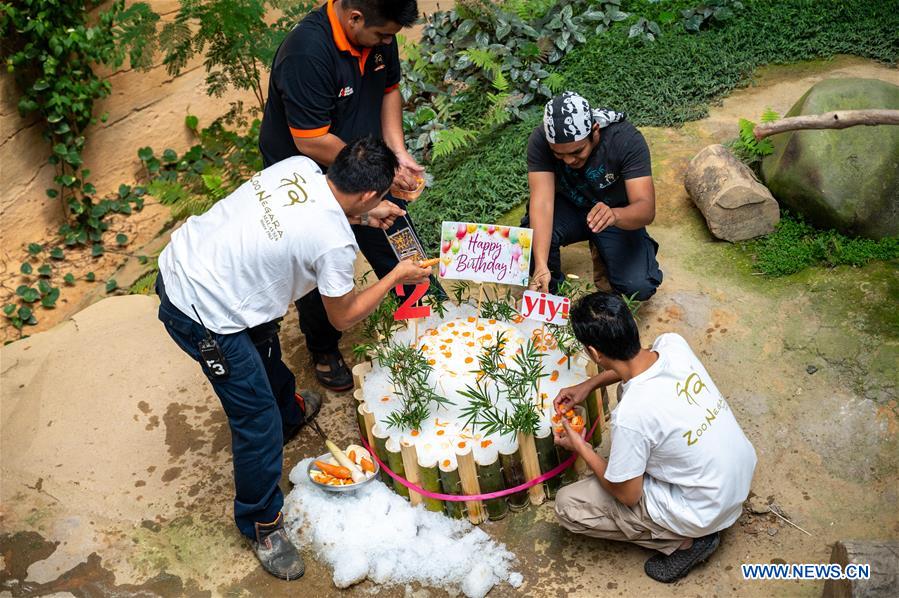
410	463
395	462
360	370
548	459
594	407
451	484
490	479
429	477
369	423
380	448
480	300
513	474
530	462
468	475
360	419
569	475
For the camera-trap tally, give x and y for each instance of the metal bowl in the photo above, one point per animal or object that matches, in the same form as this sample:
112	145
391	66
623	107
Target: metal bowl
348	487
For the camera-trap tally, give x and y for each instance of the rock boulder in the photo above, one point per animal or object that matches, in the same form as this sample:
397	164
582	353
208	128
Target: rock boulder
844	179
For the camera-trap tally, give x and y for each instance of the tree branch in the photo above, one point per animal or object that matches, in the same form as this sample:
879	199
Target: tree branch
839	119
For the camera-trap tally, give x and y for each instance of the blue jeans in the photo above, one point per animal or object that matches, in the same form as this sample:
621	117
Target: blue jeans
629	255
258	398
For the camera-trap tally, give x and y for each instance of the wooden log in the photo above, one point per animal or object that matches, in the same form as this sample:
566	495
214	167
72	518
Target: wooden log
468	475
530	461
736	206
410	463
429	479
451	484
395	462
360	370
548	459
837	119
513	475
490	479
883	558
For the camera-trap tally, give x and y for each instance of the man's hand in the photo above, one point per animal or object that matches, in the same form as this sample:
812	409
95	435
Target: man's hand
384	214
569	439
409	272
408	174
540	280
601	217
571	396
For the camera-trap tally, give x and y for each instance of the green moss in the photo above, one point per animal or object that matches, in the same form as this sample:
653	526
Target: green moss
795	245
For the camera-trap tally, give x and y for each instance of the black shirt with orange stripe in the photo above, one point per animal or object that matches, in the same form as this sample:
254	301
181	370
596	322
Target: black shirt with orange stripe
322	84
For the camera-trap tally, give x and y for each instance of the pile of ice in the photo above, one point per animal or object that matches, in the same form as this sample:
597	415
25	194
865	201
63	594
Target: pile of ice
373	533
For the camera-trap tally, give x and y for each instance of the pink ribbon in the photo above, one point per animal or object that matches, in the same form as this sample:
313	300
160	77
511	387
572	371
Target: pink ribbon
461	498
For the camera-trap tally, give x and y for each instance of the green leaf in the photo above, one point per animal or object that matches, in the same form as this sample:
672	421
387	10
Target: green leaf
25	313
121	239
90	277
145	153
124	190
9	309
97	250
52	193
45	271
111	285
142	259
69	278
50	299
169	156
43	287
29	295
25	268
56	253
191	122
35	248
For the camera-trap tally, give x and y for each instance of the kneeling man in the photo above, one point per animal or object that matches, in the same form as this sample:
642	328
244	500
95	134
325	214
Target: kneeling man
679	466
590	179
225	281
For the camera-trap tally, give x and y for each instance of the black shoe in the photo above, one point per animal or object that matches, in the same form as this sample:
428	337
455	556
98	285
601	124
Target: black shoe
310	403
670	568
276	552
337	377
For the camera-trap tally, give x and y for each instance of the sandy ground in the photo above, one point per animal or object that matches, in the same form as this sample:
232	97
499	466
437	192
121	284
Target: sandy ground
116	475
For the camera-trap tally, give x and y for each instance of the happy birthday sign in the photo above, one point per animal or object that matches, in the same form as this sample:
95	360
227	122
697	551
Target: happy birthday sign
485	253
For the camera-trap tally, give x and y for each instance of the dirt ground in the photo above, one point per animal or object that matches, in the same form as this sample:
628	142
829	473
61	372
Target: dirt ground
116	466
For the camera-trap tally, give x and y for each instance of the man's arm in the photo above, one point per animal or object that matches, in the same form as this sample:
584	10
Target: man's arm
323	149
640	211
392	131
627	492
543	189
348	310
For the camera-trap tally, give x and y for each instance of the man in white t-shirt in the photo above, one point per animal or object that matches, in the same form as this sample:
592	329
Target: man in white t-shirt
679	466
225	281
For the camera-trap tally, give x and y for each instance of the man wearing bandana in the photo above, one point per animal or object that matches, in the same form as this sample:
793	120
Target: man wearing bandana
590	179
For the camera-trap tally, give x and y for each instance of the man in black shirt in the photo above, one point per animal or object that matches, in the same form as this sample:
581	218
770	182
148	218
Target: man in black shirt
590	178
334	79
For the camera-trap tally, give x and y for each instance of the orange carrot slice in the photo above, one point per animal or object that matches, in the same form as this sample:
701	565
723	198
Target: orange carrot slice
337	471
367	465
486	443
563	360
554	376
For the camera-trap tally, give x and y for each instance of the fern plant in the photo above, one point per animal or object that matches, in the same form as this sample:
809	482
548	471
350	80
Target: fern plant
749	149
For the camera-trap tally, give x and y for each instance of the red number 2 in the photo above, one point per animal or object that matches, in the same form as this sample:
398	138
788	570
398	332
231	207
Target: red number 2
408	310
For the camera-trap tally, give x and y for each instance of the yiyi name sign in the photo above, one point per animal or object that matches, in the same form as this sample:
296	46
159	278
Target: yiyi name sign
485	253
543	307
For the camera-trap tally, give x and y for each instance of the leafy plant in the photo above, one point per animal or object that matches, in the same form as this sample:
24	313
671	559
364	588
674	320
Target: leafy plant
380	326
233	37
645	30
409	371
499	307
52	47
220	161
516	383
749	149
709	13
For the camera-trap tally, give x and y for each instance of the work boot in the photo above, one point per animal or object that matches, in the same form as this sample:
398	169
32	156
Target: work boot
331	371
310	403
276	552
670	568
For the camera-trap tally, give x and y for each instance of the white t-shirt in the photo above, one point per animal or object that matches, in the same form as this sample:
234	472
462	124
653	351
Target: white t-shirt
673	425
272	241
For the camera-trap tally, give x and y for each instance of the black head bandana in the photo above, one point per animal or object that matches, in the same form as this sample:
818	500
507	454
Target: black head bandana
568	118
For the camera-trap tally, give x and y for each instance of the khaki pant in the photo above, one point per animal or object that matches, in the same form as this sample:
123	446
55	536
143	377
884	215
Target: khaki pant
584	507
